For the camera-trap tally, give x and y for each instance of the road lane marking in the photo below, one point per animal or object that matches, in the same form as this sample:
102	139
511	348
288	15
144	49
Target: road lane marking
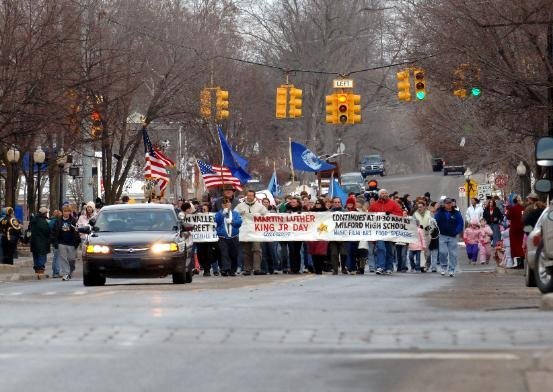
50	293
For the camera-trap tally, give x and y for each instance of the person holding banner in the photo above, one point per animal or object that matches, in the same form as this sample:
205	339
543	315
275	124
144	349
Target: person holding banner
251	251
451	224
318	249
338	249
228	224
294	247
384	249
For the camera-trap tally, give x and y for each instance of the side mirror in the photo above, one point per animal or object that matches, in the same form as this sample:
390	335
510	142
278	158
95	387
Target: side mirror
542	186
544	151
84	230
92	221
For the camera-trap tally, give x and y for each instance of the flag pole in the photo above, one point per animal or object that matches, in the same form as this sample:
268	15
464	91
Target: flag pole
332	184
222	158
291	161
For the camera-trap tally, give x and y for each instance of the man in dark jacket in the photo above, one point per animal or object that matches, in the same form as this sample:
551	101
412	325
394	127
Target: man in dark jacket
338	249
66	239
450	222
40	241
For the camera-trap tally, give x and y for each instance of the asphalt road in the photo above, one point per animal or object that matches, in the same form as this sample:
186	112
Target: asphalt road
407	332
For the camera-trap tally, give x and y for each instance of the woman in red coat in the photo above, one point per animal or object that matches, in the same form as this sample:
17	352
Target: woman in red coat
516	233
318	249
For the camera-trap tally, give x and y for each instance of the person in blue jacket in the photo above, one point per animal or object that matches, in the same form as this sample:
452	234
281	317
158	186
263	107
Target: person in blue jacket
228	222
450	223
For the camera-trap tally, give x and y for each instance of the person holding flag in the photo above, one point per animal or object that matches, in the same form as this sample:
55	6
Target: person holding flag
228	222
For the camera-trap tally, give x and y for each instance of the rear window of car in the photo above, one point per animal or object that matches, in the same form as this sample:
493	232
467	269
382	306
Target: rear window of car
133	220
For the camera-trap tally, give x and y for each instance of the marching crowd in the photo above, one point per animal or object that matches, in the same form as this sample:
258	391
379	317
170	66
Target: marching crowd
490	227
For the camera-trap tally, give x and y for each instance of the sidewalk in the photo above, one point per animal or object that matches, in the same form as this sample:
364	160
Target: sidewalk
22	269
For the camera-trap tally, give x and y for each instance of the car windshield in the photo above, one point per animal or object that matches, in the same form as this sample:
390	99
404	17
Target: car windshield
133	220
352	179
372	160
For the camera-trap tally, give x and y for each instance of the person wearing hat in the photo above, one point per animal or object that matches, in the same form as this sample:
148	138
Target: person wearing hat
11	232
40	241
450	223
228	193
228	222
56	272
88	213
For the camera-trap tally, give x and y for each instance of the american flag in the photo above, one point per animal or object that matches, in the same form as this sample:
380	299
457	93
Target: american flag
156	162
215	176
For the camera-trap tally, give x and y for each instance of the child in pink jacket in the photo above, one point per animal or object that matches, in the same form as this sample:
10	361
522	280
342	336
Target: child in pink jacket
471	236
415	250
484	242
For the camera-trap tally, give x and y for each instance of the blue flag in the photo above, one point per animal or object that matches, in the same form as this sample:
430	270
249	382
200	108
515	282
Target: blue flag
273	186
304	159
337	191
237	164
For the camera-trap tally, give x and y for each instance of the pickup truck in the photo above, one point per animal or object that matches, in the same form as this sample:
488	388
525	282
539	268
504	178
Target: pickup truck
371	165
453	168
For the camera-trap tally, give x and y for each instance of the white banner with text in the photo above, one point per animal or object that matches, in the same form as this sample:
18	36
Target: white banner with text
312	226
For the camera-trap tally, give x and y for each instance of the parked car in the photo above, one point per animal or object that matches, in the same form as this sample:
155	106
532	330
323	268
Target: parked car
437	164
137	241
539	254
353	182
371	165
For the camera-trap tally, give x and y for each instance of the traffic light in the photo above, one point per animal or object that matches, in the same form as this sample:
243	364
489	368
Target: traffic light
97	123
222	104
475	91
343	108
205	103
420	84
281	98
332	109
403	85
294	110
354	108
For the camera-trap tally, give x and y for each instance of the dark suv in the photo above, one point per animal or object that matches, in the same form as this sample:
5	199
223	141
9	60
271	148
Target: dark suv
136	240
371	165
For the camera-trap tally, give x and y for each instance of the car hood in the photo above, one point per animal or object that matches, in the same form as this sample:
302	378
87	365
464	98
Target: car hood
132	238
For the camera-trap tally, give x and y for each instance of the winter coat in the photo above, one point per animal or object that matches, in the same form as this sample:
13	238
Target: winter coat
486	234
223	227
56	232
40	235
474	212
421	243
495	217
471	235
450	223
389	207
317	248
245	208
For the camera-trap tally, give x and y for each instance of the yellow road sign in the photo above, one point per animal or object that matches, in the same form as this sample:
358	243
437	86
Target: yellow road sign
472	190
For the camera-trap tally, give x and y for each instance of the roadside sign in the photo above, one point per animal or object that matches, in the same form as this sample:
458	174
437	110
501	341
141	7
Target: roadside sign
501	181
343	83
484	190
473	186
462	191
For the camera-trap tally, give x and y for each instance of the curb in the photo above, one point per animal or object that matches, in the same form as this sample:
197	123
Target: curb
509	271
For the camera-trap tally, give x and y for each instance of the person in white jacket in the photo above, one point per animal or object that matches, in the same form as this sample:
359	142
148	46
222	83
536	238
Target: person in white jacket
474	211
251	251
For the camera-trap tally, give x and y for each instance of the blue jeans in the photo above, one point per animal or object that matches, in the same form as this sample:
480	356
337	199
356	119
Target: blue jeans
415	260
269	259
448	249
496	233
39	262
306	257
401	257
370	257
384	255
433	255
56	262
352	254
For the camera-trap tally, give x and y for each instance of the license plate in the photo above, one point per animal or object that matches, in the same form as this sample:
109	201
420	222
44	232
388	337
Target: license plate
130	264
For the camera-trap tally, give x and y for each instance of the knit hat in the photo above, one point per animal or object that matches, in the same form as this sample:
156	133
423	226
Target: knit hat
91	204
351	200
43	210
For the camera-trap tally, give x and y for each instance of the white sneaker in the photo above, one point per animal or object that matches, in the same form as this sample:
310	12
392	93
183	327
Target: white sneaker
442	272
65	277
451	274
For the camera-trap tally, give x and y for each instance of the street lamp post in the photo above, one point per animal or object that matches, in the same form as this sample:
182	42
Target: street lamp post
13	157
521	172
467	175
39	156
61	161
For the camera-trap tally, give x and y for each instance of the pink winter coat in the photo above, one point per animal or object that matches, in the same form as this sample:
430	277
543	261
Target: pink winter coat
420	244
471	235
486	234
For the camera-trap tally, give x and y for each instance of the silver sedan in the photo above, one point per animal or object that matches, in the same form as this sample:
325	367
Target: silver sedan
539	254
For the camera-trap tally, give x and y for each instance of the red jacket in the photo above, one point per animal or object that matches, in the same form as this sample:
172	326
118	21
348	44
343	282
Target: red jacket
386	206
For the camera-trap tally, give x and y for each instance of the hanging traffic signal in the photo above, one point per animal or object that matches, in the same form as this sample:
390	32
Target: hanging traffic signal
403	85
343	110
281	98
332	109
222	104
420	84
354	108
467	81
475	91
97	126
205	103
295	102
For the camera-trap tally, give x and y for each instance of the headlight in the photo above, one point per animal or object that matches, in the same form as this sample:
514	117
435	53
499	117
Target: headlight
97	249
159	248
